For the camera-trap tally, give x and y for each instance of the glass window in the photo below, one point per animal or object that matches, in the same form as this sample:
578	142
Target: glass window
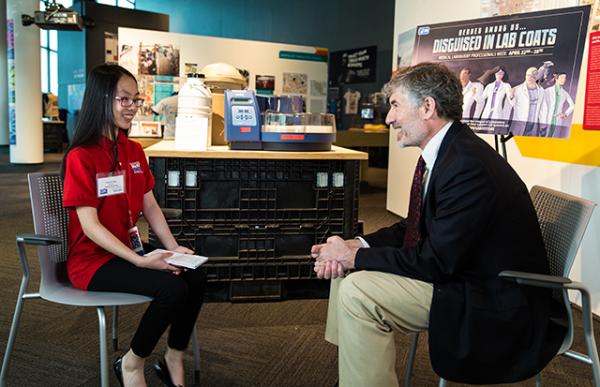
53	40
118	3
126	3
44	68
54	72
43	38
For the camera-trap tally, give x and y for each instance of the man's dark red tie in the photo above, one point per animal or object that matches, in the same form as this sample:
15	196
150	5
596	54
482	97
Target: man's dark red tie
412	234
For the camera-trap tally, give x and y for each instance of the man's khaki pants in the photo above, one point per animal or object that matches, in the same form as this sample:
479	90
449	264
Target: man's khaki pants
364	310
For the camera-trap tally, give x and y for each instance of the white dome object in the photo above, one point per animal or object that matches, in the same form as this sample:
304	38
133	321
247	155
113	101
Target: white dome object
223	76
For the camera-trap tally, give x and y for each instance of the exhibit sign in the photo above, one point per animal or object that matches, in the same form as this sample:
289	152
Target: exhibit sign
519	73
10	51
348	67
591	111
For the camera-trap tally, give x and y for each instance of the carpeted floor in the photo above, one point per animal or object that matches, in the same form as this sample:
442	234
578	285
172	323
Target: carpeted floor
242	344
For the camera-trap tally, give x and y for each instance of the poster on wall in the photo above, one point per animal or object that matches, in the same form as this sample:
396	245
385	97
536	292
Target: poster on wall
318	88
10	51
519	73
265	84
353	66
157	59
591	110
295	83
128	58
111	43
406	41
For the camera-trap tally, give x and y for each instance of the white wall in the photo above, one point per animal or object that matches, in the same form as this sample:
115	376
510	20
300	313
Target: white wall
575	179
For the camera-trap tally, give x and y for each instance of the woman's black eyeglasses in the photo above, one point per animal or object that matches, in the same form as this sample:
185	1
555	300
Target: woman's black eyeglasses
127	102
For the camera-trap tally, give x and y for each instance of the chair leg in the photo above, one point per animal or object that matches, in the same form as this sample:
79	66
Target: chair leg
588	331
14	326
538	380
104	382
196	350
414	341
115	328
11	342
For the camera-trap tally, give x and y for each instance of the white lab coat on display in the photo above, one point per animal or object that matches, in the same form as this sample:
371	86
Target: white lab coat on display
550	101
472	93
501	110
520	104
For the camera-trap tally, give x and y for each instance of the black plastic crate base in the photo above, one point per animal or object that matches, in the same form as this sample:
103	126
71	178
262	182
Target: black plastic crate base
287	268
256	219
252	244
267	290
259	191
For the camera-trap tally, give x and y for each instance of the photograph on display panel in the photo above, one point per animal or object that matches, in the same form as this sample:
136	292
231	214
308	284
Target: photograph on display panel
519	72
157	59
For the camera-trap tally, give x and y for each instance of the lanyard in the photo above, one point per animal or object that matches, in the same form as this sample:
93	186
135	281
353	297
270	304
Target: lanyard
117	166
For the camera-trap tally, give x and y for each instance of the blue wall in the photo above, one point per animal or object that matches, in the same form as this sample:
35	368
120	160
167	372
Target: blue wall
309	22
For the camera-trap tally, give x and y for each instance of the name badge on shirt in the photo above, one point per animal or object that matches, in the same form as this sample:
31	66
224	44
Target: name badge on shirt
112	183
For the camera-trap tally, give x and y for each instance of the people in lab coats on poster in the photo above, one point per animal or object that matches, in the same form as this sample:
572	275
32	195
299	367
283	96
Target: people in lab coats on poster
472	92
560	106
494	96
530	111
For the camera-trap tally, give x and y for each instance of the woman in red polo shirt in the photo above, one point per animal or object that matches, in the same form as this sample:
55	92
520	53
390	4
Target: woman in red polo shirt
107	184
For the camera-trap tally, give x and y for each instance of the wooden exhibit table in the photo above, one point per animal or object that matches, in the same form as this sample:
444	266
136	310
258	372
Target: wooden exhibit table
256	214
145	142
166	148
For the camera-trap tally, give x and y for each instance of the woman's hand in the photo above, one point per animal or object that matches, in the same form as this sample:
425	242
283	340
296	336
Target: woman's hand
183	250
157	261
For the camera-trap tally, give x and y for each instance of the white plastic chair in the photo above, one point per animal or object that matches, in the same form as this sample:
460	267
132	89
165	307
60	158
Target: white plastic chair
50	226
563	219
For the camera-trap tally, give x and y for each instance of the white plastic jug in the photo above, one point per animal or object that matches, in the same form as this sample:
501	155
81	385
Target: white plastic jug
194	99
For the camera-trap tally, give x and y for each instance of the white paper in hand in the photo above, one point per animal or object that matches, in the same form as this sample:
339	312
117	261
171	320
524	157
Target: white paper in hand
188	261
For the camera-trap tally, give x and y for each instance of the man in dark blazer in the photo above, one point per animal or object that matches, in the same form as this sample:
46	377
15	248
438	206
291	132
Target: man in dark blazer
471	218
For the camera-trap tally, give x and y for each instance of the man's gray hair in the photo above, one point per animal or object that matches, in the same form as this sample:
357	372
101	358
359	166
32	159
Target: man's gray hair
429	80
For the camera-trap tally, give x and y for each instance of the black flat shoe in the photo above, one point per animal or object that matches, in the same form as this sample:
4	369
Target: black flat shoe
118	367
162	371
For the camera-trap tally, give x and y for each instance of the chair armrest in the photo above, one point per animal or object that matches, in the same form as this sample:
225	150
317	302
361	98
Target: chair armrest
535	279
38	239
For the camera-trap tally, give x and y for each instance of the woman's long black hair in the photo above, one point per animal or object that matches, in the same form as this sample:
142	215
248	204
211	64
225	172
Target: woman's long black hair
96	116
